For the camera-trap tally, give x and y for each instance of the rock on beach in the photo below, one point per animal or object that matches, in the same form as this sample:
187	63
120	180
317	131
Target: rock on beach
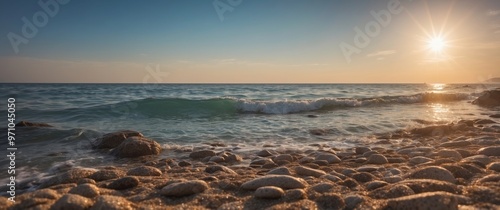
282	181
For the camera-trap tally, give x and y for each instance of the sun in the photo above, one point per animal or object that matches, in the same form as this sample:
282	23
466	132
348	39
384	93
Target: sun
436	44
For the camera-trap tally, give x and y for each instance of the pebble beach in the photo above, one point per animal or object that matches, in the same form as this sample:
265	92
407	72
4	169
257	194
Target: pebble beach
447	166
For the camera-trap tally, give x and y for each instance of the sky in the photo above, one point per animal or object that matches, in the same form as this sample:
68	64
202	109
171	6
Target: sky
249	41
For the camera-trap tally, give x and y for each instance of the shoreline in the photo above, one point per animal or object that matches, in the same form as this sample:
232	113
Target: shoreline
445	166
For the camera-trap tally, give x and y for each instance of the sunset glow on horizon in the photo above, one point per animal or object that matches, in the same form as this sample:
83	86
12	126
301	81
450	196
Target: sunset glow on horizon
386	41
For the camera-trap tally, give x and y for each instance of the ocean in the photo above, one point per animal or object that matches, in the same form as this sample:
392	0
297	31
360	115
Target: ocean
246	117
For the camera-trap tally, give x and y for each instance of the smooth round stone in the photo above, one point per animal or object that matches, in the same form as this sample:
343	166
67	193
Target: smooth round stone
375	184
295	194
367	168
369	153
144	171
490	151
393	179
494	166
322	187
362	150
431	200
264	153
201	154
71	201
391	191
461	143
217	159
305	171
348	172
282	181
113	203
184	188
136	146
86	190
306	160
269	192
332	178
448	153
419	160
353	201
282	157
280	171
330	158
377	159
363	177
485	160
124	183
215	168
433	172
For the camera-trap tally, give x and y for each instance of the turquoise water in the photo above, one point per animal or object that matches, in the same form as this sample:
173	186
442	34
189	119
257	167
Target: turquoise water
244	116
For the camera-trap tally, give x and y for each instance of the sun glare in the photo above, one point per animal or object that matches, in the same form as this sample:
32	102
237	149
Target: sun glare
436	44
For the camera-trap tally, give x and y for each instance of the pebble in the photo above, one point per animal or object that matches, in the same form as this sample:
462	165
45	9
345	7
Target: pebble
367	168
391	191
184	164
490	151
217	159
432	200
332	178
234	158
112	140
261	161
144	171
433	172
109	202
430	185
74	202
201	154
71	176
283	157
280	171
282	181
396	160
136	146
353	201
461	143
305	171
86	190
375	184
348	171
184	188
215	168
107	174
448	153
323	187
393	179
264	153
330	158
295	194
330	201
458	171
124	183
269	192
363	177
305	160
377	159
494	166
483	159
361	150
490	178
419	160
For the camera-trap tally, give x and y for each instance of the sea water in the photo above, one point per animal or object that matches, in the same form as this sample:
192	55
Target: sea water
244	116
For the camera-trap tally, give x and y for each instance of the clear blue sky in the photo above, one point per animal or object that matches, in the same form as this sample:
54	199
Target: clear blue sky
258	41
